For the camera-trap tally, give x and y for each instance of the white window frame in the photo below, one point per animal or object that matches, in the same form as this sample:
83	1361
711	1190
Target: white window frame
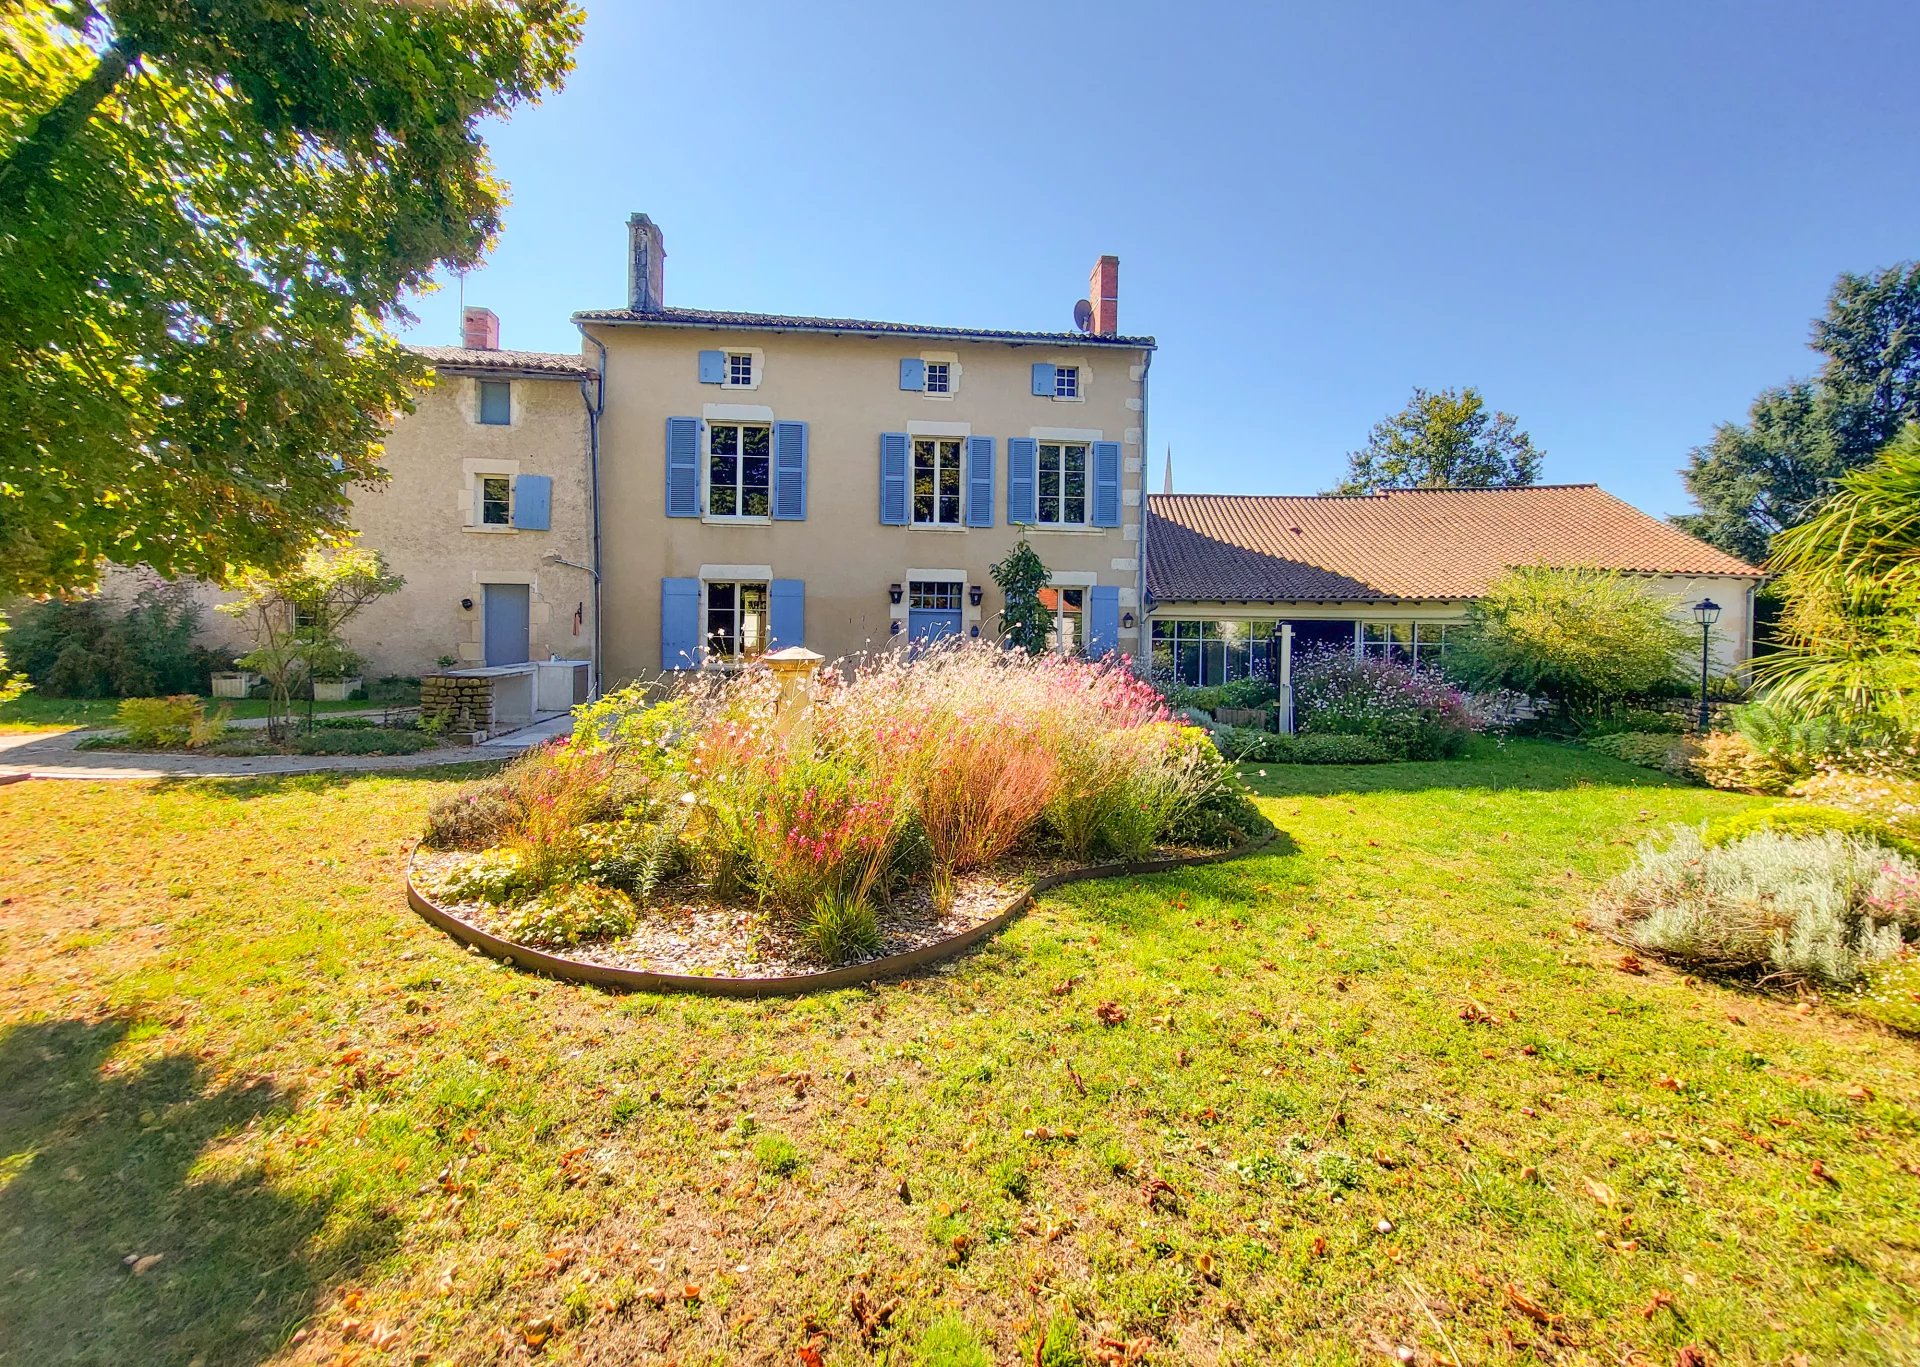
1057	634
940	379
1060	499
707	427
480	500
1417	650
733	379
739	611
931	588
959	445
1066	383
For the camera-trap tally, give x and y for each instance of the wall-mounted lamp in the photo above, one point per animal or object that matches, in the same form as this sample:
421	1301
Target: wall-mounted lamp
1126	620
466	604
974	594
976	631
893	593
893	627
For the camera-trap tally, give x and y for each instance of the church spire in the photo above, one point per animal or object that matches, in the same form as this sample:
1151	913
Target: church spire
1169	479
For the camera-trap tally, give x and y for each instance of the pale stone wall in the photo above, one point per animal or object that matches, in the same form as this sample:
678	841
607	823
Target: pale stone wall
846	388
424	521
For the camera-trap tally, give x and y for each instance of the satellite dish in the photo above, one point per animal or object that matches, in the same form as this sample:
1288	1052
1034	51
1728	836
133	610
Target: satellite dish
1083	315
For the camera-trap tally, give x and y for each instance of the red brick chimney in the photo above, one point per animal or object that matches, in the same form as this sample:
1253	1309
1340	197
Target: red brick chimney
1103	292
480	330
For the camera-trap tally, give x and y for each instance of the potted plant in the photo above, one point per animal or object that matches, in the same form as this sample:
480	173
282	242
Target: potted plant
335	671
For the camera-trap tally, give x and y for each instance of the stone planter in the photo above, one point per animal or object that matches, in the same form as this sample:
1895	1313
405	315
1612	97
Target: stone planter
232	683
336	690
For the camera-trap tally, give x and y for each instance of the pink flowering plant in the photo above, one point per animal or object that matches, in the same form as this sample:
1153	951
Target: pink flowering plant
1413	713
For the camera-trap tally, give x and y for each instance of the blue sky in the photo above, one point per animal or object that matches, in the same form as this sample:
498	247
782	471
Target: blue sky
1616	220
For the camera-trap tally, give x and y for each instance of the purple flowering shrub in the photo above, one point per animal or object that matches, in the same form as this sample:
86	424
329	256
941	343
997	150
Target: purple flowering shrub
1413	713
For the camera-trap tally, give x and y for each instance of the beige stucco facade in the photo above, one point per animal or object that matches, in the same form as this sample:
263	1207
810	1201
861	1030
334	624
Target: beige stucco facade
847	389
1731	641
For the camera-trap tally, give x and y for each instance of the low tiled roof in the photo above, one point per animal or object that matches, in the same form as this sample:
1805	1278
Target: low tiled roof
778	322
1402	545
555	363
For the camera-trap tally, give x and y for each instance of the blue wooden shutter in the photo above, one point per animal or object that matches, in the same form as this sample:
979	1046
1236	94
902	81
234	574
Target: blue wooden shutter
790	471
786	613
894	506
683	467
979	481
1103	620
913	373
1043	379
1023	467
679	623
713	367
496	402
1106	484
532	502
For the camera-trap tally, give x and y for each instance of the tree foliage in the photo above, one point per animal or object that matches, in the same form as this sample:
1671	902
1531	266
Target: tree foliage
1443	438
296	616
1584	639
1850	578
1757	478
209	213
1025	621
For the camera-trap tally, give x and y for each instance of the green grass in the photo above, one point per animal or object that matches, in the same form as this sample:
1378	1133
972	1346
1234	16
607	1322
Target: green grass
1381	1070
34	711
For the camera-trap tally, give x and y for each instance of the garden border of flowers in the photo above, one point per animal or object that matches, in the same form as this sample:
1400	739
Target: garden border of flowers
793	984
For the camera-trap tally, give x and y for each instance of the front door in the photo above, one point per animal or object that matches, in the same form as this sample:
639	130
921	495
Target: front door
933	609
506	623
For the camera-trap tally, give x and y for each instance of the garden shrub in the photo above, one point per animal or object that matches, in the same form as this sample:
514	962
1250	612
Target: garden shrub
839	928
566	916
1411	713
1642	720
1663	750
91	647
1727	759
1802	818
473	818
1801	908
178	722
982	788
1266	747
1894	803
494	876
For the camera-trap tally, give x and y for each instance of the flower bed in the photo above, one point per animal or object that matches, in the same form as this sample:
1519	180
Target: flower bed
734	828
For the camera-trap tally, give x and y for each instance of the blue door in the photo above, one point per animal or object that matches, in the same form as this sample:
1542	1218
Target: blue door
933	609
506	623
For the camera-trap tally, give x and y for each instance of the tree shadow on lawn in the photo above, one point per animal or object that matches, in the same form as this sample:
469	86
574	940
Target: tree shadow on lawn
323	780
99	1166
1490	766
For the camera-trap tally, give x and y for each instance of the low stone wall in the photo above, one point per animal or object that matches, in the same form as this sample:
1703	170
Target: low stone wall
464	702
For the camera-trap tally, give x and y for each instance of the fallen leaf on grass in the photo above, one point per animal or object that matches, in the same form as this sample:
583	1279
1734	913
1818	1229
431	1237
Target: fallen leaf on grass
1600	1191
1693	1355
1820	1174
1661	1300
1532	1309
809	1352
535	1333
869	1315
1631	963
1109	1014
1859	1094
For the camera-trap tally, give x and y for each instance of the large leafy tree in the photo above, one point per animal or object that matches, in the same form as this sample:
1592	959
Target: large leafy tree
1443	438
1757	478
1850	578
209	213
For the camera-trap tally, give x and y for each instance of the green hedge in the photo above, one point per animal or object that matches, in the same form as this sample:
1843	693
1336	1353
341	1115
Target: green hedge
1264	747
1796	818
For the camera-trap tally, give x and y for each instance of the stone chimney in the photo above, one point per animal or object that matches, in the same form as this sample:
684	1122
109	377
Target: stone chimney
480	329
1103	292
646	260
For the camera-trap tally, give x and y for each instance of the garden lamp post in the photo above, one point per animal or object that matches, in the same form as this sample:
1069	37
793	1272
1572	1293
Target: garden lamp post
1706	612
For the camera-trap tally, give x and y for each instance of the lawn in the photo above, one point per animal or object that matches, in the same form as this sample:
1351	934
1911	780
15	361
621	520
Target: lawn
1375	1087
34	711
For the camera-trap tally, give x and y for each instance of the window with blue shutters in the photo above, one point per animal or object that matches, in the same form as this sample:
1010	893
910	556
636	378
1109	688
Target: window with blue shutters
1103	620
713	367
786	613
532	502
1043	379
913	373
683	467
790	471
979	481
679	623
895	506
1022	461
1106	484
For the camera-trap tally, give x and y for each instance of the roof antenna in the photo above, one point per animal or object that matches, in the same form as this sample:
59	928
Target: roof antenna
1169	479
461	316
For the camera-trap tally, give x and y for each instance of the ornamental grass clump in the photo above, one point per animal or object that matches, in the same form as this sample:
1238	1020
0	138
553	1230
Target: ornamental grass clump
1814	908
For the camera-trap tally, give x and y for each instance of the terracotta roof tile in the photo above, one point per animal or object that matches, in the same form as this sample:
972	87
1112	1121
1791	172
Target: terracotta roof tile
555	363
780	322
1402	545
